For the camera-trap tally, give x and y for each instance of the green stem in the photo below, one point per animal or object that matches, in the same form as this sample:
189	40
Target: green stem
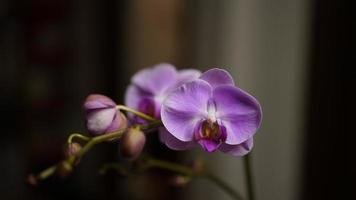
135	112
153	124
47	172
98	139
77	135
181	169
90	143
249	177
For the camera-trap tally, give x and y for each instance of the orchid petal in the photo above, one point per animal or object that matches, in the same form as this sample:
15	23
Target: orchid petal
209	145
238	111
99	120
97	101
118	123
157	79
172	142
216	77
184	107
134	95
187	75
237	150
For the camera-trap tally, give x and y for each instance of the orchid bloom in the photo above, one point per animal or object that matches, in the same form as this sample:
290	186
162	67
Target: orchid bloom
149	87
212	112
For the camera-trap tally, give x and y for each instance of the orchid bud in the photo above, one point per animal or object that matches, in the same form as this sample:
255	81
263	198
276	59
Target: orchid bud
132	143
102	116
71	150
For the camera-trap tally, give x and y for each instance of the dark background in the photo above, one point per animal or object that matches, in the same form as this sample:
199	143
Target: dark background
54	53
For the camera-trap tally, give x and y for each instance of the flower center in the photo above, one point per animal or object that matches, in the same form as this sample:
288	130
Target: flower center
210	130
210	135
211	111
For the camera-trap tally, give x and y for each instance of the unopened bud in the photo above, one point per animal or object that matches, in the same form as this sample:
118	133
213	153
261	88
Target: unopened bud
102	116
132	143
120	123
71	150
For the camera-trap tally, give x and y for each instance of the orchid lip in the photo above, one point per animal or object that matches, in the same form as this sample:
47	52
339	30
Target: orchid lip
210	135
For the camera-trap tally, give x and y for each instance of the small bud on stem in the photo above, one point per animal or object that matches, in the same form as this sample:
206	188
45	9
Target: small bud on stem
132	143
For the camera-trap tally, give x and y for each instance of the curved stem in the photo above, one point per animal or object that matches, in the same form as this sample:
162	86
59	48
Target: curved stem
135	112
181	169
90	143
98	139
249	176
77	135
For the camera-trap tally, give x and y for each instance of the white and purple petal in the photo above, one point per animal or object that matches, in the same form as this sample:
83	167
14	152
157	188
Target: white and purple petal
97	101
216	77
157	79
134	95
118	123
99	120
238	111
239	149
187	75
185	107
172	142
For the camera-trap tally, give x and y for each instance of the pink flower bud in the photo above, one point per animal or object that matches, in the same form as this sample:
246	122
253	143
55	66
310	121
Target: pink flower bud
132	143
102	116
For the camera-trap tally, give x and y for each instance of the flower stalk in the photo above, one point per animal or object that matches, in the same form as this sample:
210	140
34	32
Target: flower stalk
147	162
137	113
249	177
77	135
91	142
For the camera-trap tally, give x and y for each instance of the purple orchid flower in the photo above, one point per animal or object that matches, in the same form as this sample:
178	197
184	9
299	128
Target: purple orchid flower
102	116
149	87
212	112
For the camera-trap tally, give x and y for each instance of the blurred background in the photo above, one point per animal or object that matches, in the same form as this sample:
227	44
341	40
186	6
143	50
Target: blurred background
293	56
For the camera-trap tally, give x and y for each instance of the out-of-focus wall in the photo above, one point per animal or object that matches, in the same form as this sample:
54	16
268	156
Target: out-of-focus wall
155	32
263	44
